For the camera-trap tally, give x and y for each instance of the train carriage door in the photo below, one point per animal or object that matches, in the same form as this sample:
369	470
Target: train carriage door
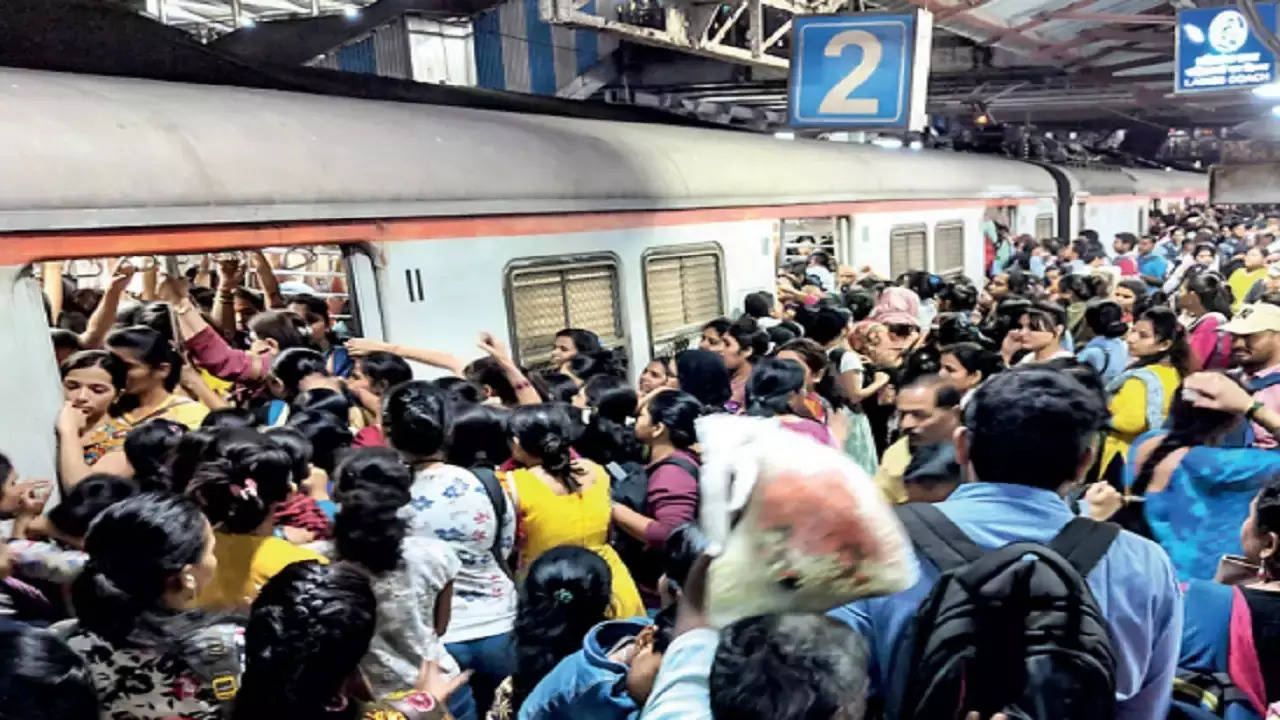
801	237
30	378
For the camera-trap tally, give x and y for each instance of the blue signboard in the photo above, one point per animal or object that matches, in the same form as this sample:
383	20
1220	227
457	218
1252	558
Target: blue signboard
1216	50
859	71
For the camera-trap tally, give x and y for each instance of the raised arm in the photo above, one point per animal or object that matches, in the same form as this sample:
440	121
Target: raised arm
209	350
104	315
224	309
267	276
434	358
525	393
52	278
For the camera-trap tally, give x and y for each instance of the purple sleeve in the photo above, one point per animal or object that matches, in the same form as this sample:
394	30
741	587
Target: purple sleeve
672	500
213	353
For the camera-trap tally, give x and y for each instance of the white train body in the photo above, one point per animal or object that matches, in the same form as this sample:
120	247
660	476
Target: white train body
455	220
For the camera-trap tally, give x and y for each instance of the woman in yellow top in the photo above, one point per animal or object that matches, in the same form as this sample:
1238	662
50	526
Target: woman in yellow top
560	501
1140	395
154	369
239	482
1243	279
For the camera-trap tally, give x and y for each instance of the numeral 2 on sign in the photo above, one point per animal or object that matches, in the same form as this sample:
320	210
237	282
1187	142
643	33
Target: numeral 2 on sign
837	100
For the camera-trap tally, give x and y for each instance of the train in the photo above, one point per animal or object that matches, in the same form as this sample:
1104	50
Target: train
449	220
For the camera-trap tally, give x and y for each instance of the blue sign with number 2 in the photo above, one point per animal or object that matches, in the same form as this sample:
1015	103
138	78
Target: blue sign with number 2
852	70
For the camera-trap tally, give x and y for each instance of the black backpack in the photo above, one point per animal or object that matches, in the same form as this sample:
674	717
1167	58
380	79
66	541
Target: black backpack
493	488
1013	630
630	487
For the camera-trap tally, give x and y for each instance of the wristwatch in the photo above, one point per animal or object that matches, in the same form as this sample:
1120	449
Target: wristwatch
1253	409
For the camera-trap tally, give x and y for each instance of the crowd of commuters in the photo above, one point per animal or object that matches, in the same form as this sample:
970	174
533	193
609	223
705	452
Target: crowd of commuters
257	516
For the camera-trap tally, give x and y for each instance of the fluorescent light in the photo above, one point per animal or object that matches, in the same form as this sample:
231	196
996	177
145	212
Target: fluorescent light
916	145
785	135
248	22
1270	92
351	11
888	143
1276	111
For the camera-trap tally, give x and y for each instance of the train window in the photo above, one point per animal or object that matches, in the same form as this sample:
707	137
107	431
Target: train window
1044	226
948	248
907	249
320	271
683	290
801	236
546	298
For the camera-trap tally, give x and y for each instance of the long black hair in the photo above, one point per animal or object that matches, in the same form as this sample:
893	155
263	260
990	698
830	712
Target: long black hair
772	385
1213	291
543	431
415	418
385	370
607	436
372	486
973	357
489	373
567	591
1188	426
294	365
240	482
288	329
702	374
135	548
478	438
1166	327
329	436
86	501
677	411
151	349
1105	318
307	631
584	341
41	678
149	448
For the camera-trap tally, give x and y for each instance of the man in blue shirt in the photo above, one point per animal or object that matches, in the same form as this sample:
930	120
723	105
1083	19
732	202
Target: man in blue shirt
1028	437
1152	266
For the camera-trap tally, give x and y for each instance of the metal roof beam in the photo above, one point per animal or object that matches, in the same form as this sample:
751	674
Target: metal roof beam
1119	18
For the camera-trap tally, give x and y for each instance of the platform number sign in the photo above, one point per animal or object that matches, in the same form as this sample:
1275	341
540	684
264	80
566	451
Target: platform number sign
862	70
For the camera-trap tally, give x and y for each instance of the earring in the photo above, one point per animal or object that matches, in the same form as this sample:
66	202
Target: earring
189	583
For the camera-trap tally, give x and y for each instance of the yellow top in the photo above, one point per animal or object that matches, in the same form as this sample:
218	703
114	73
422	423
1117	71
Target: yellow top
1129	412
1241	282
893	465
245	564
548	519
176	408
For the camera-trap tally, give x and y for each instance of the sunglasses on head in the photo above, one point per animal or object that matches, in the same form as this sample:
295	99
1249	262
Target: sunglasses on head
902	329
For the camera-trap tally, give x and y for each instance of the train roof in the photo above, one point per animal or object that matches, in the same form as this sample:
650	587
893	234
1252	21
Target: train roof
87	151
1113	180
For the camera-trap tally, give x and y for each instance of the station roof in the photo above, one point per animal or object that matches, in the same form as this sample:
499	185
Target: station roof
1041	61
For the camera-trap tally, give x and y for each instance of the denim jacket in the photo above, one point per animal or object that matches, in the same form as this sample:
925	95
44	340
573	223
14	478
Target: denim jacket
587	685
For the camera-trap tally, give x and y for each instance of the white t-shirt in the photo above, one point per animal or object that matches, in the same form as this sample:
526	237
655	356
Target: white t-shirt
406	629
450	503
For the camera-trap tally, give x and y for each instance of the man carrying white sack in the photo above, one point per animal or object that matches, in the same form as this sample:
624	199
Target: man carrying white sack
1113	621
812	532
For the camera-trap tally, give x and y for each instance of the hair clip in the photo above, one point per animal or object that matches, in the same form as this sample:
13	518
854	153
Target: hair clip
563	596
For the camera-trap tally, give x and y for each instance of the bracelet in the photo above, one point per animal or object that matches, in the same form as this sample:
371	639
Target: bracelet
1253	409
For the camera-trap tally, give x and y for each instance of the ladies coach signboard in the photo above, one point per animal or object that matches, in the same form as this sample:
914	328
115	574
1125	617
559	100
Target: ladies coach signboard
1216	50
